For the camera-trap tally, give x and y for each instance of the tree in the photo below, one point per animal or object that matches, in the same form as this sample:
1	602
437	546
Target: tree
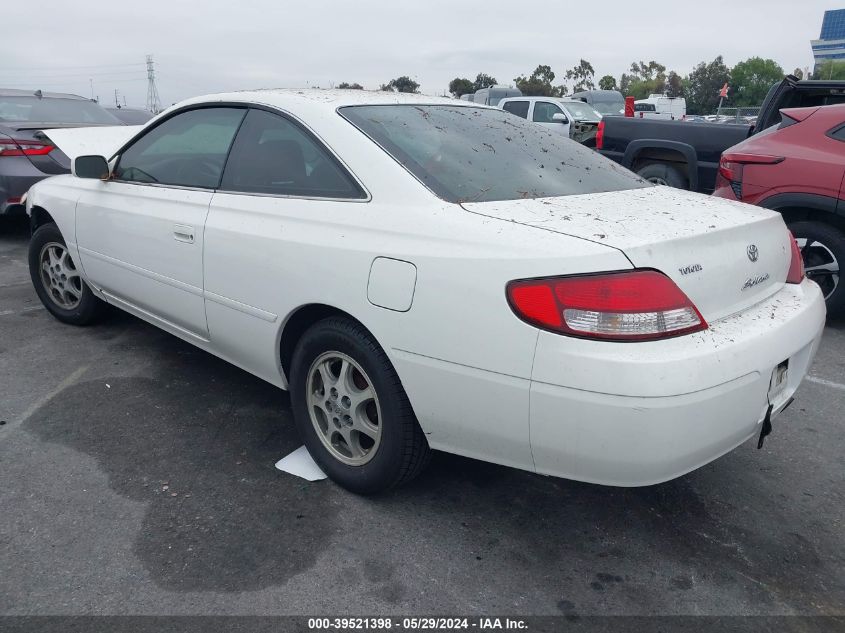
799	74
607	83
703	85
648	72
347	86
646	79
582	76
752	79
400	84
830	69
483	80
624	83
461	86
538	84
674	85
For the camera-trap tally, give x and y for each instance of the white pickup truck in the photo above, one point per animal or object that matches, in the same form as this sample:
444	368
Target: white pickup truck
574	118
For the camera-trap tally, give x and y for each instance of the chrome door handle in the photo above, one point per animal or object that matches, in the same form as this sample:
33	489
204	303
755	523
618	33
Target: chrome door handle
183	233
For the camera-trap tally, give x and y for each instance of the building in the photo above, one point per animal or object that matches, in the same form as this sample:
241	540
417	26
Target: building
831	42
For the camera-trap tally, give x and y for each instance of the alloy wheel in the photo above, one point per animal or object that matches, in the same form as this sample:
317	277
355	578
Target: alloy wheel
820	264
60	276
344	408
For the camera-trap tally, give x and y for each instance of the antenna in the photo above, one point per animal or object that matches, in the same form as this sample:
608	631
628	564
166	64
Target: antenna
153	101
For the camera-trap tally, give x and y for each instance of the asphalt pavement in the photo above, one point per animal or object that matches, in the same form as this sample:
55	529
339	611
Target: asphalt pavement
137	477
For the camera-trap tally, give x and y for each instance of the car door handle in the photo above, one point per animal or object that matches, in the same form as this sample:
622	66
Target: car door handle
182	233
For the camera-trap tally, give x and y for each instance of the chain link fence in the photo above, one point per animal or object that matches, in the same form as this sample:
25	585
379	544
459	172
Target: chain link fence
737	115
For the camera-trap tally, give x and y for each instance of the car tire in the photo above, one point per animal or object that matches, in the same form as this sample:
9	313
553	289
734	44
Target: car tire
663	174
365	444
58	281
823	250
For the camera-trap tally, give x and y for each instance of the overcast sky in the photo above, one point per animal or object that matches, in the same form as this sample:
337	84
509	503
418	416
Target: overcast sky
216	45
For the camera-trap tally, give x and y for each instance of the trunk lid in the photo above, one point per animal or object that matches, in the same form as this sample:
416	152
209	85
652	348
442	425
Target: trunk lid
724	255
99	140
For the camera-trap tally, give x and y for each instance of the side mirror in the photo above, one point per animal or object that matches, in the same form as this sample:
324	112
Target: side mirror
90	167
559	117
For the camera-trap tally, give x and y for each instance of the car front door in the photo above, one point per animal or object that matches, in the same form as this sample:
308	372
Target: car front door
140	234
282	212
543	113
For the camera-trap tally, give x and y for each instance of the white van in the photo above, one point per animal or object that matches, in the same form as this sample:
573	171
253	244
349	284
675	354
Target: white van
661	107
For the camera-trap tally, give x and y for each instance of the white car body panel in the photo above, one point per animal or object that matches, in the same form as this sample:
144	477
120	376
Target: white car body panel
120	224
672	231
84	141
677	404
482	382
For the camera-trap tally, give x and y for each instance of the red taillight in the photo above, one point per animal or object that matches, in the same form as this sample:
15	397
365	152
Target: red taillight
730	170
796	264
600	135
637	305
12	147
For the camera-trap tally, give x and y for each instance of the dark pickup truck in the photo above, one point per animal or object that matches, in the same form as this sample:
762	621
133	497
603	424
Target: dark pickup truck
686	154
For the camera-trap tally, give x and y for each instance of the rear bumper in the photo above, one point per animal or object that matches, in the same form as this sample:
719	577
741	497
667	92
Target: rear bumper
643	413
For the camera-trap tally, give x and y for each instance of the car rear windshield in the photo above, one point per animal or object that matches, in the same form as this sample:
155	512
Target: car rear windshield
25	109
466	154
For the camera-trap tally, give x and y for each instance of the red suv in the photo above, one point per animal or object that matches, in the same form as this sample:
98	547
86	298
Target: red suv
797	169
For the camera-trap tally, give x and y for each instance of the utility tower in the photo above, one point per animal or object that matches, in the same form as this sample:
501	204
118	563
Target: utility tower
153	102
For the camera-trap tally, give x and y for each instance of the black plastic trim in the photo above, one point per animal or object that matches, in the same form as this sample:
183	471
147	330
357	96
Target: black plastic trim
688	151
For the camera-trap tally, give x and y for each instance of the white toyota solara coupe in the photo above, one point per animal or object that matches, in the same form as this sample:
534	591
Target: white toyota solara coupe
422	273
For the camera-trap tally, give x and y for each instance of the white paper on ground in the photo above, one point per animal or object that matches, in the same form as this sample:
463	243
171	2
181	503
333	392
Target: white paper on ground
299	463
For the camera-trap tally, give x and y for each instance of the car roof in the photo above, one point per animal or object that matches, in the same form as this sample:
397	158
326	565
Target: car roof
15	92
291	99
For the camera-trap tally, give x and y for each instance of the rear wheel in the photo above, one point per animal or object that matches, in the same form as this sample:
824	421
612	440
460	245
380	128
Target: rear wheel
823	251
663	174
351	409
57	279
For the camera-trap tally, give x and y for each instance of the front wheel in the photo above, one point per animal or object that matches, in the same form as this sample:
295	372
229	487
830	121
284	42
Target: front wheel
57	279
351	409
822	248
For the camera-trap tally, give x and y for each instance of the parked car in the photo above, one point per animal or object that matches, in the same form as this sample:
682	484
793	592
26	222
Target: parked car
25	155
797	169
425	273
131	116
606	102
579	121
494	94
686	155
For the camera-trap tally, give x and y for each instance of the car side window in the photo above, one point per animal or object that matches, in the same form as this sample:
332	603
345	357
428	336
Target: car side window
543	112
187	150
519	108
838	133
274	155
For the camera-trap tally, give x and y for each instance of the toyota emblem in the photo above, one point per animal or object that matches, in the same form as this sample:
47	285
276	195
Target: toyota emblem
753	253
